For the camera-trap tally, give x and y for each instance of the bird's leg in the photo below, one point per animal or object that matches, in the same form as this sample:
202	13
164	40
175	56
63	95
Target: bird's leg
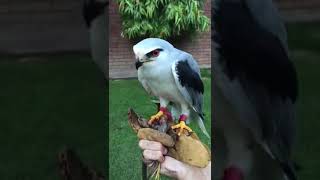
182	120
163	111
182	125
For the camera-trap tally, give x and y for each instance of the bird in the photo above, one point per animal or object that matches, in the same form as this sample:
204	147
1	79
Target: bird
95	17
173	76
255	89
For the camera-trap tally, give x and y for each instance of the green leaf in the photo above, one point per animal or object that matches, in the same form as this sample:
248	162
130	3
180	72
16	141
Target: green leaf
161	18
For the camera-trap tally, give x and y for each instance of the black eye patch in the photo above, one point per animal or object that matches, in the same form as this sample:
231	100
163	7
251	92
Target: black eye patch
154	53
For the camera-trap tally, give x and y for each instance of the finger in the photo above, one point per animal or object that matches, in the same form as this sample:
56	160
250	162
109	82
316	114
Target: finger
152	145
153	155
147	161
172	167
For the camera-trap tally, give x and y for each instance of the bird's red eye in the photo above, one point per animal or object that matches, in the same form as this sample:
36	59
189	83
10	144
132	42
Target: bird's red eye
155	53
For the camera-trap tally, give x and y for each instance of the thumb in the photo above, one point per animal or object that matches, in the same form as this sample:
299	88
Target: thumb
173	168
179	170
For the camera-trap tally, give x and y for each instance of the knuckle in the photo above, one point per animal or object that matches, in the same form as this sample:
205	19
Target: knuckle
157	146
141	144
153	155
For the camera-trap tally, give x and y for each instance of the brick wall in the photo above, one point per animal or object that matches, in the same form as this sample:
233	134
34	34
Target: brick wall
42	26
121	57
299	10
298	4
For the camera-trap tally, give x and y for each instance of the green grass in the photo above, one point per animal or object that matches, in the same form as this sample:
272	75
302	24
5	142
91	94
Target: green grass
124	153
308	144
47	102
305	49
304	36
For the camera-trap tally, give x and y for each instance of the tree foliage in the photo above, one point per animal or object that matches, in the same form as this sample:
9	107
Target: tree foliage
162	18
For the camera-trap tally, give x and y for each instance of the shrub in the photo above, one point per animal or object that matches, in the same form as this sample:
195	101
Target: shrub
162	18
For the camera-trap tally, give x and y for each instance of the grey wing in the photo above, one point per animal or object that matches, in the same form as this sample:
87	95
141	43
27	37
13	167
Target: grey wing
277	117
270	118
236	95
188	80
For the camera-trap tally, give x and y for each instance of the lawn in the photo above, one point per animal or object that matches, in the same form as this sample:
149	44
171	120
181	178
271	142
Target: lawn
304	42
47	102
124	153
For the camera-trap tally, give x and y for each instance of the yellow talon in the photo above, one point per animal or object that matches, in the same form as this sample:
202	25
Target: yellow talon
155	117
182	125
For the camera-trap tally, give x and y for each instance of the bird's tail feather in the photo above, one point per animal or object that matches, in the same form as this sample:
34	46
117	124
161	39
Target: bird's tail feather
202	127
289	172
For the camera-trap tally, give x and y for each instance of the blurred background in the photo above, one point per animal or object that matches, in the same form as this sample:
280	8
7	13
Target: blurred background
42	26
303	26
52	94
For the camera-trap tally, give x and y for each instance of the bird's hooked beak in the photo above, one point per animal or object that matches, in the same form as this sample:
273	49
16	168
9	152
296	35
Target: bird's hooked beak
138	64
140	61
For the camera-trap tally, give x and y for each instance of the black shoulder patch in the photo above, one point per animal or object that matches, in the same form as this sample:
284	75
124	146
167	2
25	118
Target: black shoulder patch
188	77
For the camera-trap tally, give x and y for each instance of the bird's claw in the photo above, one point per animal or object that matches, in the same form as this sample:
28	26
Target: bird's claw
182	125
155	117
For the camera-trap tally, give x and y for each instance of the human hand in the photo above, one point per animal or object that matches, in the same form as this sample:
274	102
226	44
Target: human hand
171	167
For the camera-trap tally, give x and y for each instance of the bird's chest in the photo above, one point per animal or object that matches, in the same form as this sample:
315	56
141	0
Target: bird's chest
159	80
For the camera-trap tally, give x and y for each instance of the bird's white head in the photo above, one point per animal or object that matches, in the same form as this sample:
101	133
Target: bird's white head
150	50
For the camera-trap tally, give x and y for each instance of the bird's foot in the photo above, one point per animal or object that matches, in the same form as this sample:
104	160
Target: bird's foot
155	117
233	173
182	125
162	112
